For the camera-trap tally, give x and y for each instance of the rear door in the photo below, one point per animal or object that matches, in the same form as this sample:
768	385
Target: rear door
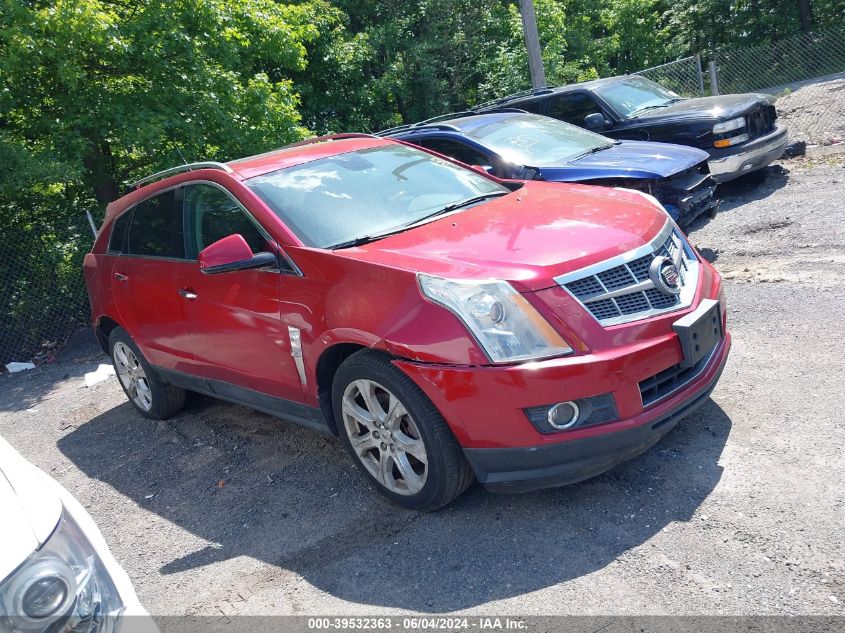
235	329
145	279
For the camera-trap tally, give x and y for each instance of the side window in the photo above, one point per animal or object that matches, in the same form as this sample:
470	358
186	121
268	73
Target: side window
213	214
156	228
535	106
456	150
571	107
117	239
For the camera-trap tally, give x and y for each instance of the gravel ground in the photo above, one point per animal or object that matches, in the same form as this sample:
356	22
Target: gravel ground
739	510
815	112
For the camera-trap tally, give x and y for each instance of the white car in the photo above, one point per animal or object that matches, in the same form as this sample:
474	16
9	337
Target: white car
56	571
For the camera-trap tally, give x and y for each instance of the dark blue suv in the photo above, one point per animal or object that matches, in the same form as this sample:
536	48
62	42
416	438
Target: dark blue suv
516	144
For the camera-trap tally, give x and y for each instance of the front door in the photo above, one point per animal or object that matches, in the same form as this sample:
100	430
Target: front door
234	323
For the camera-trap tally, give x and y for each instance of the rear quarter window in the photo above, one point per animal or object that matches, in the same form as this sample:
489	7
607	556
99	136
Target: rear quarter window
117	239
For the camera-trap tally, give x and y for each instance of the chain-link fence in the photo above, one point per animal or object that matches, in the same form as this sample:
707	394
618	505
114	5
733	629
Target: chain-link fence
683	76
42	291
806	74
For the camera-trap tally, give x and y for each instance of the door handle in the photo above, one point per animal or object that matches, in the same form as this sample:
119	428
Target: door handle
120	277
188	294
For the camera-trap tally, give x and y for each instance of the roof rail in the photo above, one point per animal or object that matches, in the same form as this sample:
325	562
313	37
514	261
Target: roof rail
430	124
330	137
419	126
521	93
178	170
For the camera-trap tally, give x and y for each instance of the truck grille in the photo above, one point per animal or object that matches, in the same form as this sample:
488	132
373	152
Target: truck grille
760	121
621	290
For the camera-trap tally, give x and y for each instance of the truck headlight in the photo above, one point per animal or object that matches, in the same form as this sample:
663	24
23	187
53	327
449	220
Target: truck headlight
507	327
63	586
725	127
729	126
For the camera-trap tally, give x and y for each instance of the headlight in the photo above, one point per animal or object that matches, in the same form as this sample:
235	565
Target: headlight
63	586
506	326
729	125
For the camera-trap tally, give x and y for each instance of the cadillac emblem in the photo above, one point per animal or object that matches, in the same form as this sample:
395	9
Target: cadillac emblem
665	276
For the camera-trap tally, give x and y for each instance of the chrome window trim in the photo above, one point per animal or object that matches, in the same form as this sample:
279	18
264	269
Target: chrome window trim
689	271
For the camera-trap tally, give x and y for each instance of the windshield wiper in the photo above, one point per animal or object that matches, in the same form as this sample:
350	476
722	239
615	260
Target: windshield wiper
366	239
593	150
665	104
458	205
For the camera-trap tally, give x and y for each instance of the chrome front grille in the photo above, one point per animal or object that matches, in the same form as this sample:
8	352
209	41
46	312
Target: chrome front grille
620	289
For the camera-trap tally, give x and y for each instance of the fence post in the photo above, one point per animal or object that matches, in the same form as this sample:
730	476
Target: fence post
91	222
700	75
714	78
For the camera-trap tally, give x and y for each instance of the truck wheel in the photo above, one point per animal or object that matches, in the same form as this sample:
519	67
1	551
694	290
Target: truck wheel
151	396
395	434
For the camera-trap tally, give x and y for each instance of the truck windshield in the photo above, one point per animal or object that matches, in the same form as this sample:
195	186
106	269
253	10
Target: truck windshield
368	192
633	95
536	141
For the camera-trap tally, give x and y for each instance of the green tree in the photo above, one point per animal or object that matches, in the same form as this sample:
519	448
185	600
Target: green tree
114	88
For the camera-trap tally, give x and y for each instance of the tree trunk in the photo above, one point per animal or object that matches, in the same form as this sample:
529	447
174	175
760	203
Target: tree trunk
805	10
99	162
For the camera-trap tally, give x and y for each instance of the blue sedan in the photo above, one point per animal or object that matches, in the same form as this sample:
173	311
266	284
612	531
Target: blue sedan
516	144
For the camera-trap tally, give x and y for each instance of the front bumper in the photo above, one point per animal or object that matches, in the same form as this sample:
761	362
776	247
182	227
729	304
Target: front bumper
486	409
733	162
509	470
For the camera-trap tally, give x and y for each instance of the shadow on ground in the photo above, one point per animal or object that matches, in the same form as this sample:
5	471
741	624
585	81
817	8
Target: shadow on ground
735	193
254	486
24	390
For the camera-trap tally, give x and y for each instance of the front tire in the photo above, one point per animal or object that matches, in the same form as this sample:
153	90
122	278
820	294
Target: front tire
151	396
395	434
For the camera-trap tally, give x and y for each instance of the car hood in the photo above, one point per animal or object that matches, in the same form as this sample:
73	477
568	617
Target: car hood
527	237
629	159
719	108
29	505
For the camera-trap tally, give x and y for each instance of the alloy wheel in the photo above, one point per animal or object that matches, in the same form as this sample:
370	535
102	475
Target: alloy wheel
132	376
384	437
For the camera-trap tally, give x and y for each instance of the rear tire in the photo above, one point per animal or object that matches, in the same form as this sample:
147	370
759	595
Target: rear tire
395	434
151	396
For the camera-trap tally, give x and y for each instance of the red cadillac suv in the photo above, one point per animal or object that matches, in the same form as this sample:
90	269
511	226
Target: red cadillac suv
443	323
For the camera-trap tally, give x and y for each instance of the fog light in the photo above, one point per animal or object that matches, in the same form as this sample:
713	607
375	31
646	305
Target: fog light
563	415
44	597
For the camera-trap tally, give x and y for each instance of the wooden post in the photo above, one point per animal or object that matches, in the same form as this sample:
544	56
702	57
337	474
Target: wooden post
532	43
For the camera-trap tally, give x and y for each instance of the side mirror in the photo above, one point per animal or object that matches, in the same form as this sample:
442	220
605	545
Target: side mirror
487	169
230	254
595	121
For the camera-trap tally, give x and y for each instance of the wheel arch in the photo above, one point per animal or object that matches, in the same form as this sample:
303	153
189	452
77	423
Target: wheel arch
104	327
327	365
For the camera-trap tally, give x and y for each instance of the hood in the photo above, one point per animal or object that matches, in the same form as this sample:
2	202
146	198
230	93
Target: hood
527	237
629	159
29	505
719	108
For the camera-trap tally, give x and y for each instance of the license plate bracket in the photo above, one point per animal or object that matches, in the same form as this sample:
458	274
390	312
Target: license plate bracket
699	332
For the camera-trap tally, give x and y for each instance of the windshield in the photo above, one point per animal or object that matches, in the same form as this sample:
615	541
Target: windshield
633	95
536	141
341	198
